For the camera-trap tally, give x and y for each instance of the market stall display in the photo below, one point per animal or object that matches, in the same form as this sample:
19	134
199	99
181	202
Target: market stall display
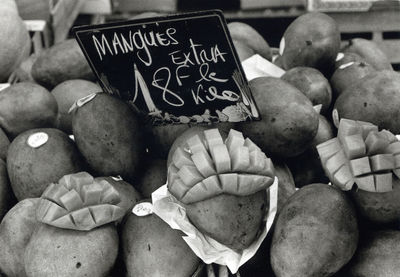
90	187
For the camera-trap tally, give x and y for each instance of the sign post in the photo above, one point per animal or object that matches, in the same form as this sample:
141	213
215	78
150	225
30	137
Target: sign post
175	69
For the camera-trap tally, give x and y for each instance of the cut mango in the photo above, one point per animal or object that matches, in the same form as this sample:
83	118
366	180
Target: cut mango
343	178
236	166
360	166
70	204
213	137
354	146
189	175
367	128
376	143
181	158
204	164
234	139
381	162
335	162
366	183
393	148
389	135
348	127
221	157
383	182
195	144
240	158
328	148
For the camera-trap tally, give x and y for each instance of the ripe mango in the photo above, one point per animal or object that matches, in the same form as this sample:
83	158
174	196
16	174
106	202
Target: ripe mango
31	166
312	40
250	37
376	255
66	94
316	233
348	74
4	143
109	136
154	176
286	184
7	198
152	248
60	252
375	99
369	51
15	232
240	218
289	122
61	62
379	208
312	84
25	106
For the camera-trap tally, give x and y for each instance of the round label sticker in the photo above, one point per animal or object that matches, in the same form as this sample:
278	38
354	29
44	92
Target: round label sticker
143	209
37	139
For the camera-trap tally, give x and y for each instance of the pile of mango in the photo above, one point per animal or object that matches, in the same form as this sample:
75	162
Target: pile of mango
74	161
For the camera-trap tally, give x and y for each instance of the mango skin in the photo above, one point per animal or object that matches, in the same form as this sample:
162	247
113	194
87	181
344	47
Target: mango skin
61	62
15	232
229	219
316	233
375	98
152	248
71	252
377	255
7	198
4	143
154	176
289	122
312	84
312	40
369	51
378	208
25	106
31	170
109	136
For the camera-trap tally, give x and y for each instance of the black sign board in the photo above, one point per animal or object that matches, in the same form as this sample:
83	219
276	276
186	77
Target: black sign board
177	69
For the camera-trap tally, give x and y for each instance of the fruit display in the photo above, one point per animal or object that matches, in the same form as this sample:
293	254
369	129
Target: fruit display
311	189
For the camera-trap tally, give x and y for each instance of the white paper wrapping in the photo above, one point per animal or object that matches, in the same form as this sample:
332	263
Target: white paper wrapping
209	250
257	66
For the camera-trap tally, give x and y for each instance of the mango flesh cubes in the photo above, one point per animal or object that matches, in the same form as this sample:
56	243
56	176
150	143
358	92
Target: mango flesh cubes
361	155
79	202
211	166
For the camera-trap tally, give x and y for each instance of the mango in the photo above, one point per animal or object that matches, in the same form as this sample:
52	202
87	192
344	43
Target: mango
376	255
251	38
244	52
311	40
312	84
378	208
61	62
374	99
25	106
212	215
16	229
347	57
4	143
127	192
152	248
15	43
7	198
153	176
39	157
316	233
66	94
289	122
369	51
31	10
347	75
108	134
286	184
71	252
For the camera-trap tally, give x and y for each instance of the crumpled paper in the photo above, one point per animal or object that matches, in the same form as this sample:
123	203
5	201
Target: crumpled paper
257	66
167	207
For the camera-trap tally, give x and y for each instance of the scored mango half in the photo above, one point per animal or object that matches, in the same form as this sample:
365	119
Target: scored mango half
79	202
361	155
209	166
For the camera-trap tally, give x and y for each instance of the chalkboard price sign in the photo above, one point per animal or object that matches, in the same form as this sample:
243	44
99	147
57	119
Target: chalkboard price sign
176	69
